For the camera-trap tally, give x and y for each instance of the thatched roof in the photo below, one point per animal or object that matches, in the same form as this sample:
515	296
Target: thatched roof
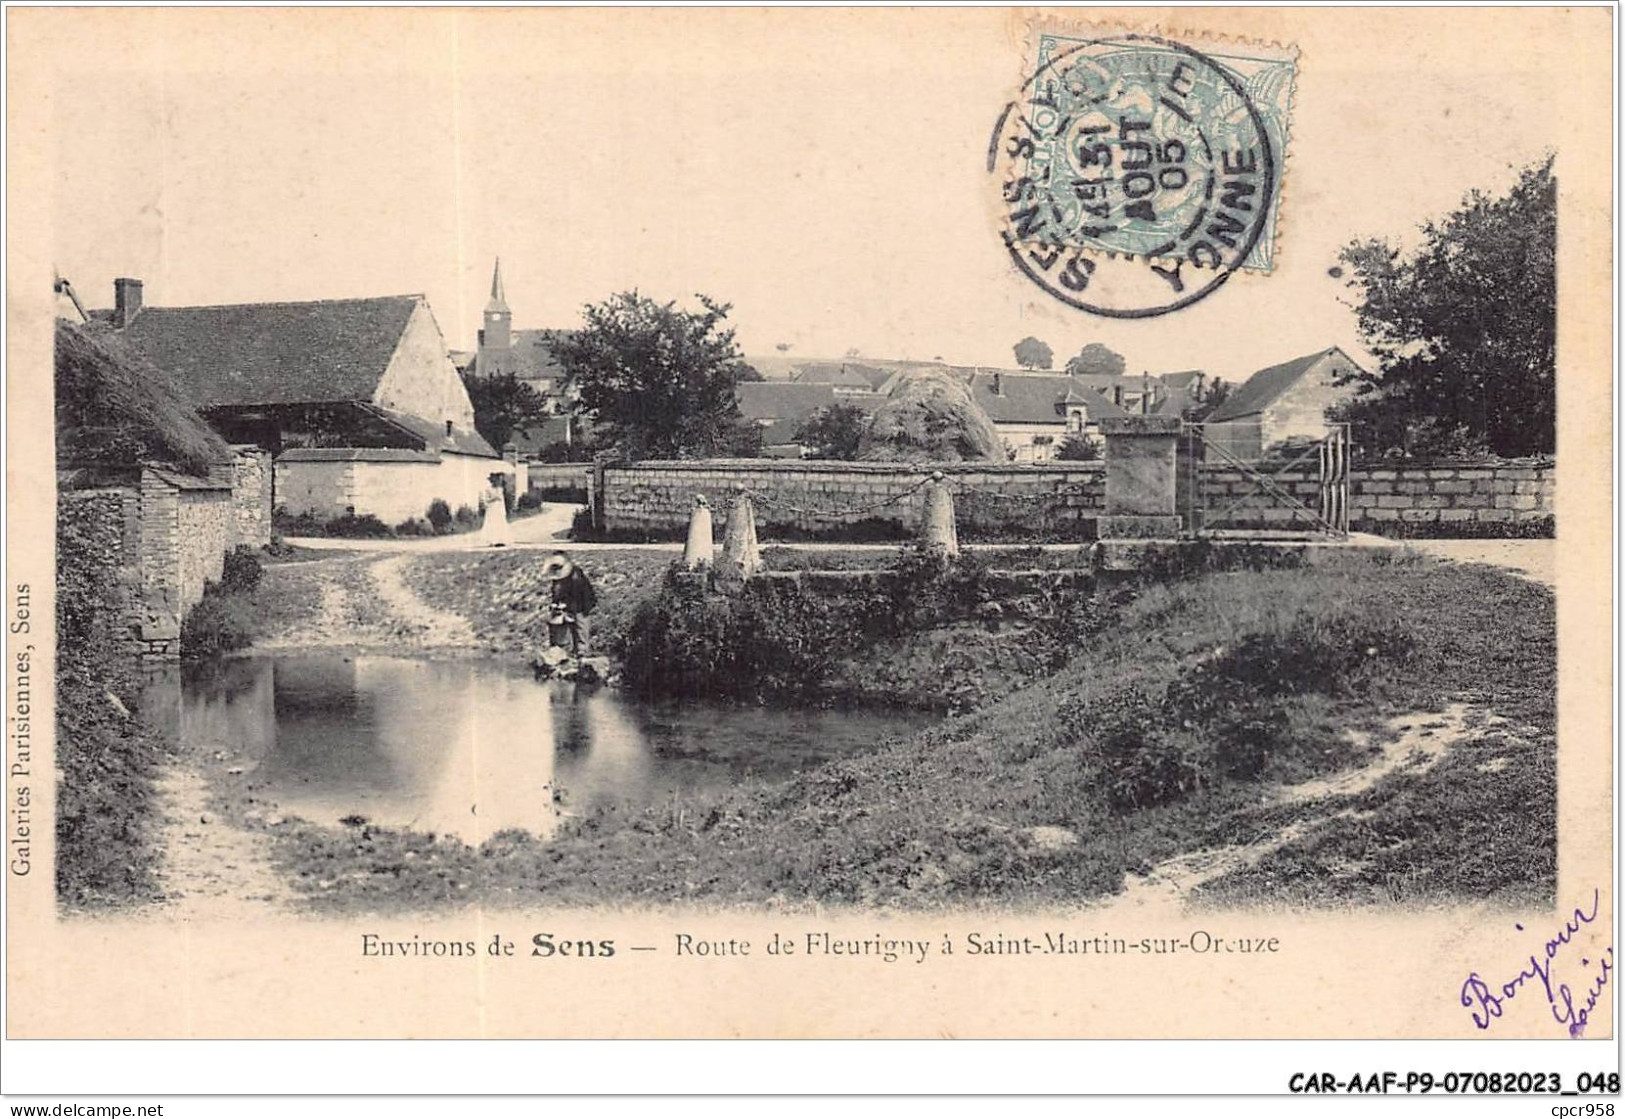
930	417
115	409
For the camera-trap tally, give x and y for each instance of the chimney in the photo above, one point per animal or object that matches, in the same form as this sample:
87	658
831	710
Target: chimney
998	383
1117	395
126	301
448	429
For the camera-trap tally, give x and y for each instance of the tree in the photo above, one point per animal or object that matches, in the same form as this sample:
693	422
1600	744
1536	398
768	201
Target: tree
1464	328
1033	354
1097	358
503	402
1217	393
659	378
834	432
1078	447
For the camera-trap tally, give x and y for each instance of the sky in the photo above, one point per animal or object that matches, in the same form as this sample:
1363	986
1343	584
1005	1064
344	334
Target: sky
821	171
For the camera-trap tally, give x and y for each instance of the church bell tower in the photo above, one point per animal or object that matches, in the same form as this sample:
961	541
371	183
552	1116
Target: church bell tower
498	332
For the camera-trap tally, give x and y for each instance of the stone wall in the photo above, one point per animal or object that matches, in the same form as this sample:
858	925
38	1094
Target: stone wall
159	543
251	496
1059	501
1472	497
559	475
207	520
97	535
810	497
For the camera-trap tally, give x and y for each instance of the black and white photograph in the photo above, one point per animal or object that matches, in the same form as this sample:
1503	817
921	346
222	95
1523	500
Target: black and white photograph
781	503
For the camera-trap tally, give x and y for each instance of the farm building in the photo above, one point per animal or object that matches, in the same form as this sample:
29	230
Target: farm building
357	399
1282	402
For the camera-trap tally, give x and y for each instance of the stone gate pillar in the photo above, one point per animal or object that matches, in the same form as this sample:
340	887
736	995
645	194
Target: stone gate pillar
1142	472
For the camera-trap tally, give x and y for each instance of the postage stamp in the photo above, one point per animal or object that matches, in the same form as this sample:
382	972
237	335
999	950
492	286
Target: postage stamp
1136	172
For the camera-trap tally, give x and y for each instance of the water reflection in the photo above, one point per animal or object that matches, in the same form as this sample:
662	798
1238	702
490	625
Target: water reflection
471	747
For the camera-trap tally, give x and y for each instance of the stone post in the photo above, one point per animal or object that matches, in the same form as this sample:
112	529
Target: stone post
937	530
700	551
1142	472
741	555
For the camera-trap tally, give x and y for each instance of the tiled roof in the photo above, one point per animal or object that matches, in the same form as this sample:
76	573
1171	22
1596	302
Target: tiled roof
773	400
275	353
846	375
1266	386
216	480
459	442
530	359
1036	398
782	408
1184	379
356	454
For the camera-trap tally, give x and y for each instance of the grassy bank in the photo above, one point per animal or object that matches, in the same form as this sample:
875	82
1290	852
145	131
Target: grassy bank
505	597
1186	724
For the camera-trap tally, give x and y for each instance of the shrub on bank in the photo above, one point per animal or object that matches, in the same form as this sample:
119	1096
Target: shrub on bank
242	570
1233	715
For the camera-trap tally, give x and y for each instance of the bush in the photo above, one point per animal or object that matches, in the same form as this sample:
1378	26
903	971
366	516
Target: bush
305	524
1145	757
352	527
581	526
440	516
1078	447
530	499
466	519
242	571
219	623
765	639
414	526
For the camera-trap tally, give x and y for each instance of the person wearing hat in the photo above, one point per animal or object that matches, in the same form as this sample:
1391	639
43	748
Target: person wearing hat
572	600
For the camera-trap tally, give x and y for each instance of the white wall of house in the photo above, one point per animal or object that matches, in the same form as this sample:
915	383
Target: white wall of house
1300	411
394	491
421	379
325	489
390	491
1041	442
1032	442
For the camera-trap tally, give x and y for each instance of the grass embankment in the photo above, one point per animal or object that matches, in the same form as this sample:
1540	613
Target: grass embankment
1184	726
506	599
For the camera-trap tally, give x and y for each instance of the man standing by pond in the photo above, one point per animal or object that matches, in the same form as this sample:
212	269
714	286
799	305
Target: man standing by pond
572	600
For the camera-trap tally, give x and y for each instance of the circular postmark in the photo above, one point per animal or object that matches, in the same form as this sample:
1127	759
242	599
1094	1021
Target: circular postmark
1134	175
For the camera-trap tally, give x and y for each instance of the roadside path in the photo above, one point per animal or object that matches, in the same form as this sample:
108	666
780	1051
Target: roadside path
1534	560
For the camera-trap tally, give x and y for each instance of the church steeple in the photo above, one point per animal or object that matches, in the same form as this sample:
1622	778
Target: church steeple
497	334
499	303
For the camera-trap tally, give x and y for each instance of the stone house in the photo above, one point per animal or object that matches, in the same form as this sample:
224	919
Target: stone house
357	399
1285	401
149	498
1035	412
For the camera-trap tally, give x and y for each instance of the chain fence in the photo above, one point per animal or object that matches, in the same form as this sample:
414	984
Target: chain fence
773	501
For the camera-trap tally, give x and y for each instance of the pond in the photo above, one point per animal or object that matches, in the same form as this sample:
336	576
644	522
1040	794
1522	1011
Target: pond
470	747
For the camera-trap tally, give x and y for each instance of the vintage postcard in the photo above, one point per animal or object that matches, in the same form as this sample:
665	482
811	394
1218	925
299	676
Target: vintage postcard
981	523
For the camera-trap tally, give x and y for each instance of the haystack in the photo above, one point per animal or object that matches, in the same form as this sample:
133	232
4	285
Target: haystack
931	417
115	409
